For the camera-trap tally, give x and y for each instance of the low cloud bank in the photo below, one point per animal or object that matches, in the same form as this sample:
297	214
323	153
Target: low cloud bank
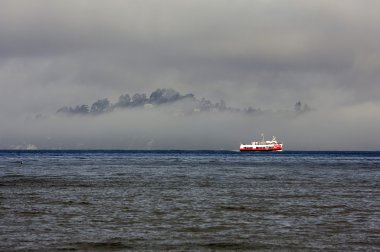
159	97
184	104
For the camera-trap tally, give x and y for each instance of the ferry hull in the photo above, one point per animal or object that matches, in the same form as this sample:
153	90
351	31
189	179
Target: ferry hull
258	150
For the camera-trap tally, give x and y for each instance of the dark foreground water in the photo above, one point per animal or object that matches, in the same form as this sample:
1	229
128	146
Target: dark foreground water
198	201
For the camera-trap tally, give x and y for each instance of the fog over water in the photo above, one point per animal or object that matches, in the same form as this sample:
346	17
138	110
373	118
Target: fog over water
265	55
166	128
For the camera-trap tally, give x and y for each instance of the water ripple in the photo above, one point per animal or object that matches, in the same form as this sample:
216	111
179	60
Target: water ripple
180	201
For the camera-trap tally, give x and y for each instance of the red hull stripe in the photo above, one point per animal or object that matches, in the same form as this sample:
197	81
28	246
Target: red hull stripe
276	148
260	149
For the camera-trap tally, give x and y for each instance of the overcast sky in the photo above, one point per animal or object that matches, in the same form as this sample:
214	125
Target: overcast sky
261	53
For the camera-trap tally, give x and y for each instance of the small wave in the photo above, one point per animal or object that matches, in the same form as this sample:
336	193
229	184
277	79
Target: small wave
106	245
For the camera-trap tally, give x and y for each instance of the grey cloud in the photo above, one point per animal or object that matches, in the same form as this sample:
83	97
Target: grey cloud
258	55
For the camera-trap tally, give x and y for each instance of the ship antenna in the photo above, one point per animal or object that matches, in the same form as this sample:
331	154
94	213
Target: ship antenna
262	134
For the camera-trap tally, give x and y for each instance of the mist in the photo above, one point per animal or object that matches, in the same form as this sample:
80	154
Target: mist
166	127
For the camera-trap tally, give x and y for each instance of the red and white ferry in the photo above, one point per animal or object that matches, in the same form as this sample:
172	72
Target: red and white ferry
262	145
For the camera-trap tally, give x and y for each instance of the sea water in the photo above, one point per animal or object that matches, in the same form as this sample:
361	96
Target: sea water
189	200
